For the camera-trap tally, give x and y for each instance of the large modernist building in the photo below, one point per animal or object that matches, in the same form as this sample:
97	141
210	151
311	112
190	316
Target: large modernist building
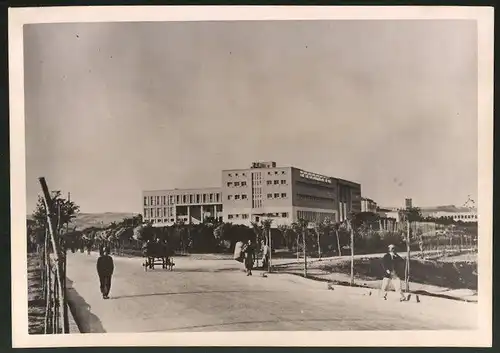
283	194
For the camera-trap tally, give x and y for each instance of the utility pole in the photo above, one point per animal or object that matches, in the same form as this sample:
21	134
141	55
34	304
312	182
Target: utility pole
351	229
407	267
304	228
270	249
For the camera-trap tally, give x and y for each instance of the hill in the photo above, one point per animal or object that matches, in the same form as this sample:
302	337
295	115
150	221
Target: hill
85	220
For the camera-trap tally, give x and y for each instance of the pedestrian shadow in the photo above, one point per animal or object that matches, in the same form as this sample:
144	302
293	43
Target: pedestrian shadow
194	292
86	321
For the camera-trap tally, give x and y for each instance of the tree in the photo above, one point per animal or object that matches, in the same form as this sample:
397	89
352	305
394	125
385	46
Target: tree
284	231
257	230
266	229
300	227
409	215
337	227
66	212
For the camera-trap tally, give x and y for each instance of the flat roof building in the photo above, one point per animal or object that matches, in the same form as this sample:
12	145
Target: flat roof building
283	194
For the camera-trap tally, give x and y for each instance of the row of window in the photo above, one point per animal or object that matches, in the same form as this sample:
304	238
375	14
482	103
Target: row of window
244	174
277	195
245	216
158	212
237	197
236	174
236	183
315	198
315	216
181	199
276	182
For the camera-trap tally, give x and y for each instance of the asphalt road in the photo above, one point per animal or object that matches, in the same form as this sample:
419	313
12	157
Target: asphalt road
215	295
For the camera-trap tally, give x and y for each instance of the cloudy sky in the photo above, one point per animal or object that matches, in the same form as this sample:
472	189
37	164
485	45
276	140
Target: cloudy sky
116	108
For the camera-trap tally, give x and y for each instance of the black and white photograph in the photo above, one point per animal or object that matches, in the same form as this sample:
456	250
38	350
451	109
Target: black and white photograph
263	176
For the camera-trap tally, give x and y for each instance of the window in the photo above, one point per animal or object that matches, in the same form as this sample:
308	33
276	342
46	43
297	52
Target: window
229	175
244	216
283	182
151	201
283	172
164	200
146	213
165	220
211	197
159	220
145	201
230	216
236	197
276	195
236	174
178	198
229	197
244	196
243	183
237	216
284	214
283	195
229	184
204	198
184	199
269	196
165	212
276	182
217	197
243	174
237	183
190	198
269	182
197	198
158	200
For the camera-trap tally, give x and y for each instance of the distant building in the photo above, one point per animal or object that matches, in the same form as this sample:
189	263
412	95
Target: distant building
408	203
368	205
165	207
283	194
464	216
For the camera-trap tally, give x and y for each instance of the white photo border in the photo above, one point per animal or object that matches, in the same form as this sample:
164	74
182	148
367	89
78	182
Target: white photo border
18	17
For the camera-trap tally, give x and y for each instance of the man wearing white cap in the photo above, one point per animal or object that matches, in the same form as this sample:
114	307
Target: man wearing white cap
392	264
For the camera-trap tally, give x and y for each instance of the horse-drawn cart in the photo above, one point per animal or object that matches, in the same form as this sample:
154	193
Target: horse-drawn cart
157	254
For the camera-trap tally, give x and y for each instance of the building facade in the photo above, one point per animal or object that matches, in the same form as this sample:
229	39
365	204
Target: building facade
266	191
165	207
368	205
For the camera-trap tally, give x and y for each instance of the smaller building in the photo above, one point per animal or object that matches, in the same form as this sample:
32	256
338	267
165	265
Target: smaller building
368	205
165	207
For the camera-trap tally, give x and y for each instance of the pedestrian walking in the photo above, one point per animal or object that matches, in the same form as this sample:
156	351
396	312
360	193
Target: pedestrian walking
105	268
265	255
249	258
392	263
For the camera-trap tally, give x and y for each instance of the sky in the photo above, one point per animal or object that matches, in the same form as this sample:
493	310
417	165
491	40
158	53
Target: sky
112	109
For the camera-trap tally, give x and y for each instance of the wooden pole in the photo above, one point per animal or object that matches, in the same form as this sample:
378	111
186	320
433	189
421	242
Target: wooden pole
304	246
407	267
351	229
338	241
298	251
53	237
270	250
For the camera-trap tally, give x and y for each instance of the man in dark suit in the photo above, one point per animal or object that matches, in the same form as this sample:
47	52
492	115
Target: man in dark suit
105	268
392	264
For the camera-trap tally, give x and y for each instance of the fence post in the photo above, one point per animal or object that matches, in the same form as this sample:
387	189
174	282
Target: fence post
56	250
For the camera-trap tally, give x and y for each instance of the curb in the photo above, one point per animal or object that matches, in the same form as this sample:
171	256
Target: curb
73	326
416	293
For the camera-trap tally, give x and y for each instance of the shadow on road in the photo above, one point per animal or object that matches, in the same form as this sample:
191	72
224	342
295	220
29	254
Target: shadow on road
86	321
197	292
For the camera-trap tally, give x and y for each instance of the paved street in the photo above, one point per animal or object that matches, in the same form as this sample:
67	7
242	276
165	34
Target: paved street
215	295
